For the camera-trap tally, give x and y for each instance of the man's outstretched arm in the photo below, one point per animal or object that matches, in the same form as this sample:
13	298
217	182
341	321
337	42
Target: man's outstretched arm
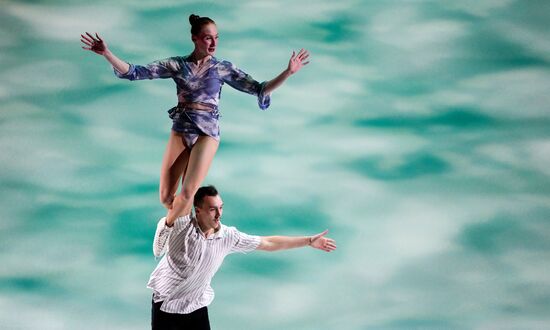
275	243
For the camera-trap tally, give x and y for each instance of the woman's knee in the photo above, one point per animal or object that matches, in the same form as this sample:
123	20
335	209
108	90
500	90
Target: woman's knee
188	193
166	197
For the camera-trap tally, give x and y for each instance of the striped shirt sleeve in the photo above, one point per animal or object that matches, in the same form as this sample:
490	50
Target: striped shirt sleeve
163	232
243	243
161	236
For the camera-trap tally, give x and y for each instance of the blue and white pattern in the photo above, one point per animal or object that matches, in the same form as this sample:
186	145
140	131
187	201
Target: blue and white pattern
198	86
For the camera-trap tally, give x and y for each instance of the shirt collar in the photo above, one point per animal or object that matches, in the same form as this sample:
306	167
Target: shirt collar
219	234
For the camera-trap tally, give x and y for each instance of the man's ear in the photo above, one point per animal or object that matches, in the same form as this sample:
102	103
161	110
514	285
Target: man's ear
193	38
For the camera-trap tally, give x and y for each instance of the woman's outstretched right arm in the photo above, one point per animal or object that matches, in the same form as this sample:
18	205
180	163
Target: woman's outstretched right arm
165	68
98	46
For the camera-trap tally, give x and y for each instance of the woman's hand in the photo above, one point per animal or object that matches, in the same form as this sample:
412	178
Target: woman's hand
322	243
297	61
95	44
98	46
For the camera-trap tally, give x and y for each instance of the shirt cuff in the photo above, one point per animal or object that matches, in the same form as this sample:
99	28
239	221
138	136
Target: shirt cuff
162	224
183	219
126	75
257	240
264	101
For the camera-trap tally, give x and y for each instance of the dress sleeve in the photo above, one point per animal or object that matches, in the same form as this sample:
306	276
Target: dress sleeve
243	82
165	68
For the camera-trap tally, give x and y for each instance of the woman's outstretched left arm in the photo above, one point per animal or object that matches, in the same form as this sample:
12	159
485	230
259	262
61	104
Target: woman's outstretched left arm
240	80
296	62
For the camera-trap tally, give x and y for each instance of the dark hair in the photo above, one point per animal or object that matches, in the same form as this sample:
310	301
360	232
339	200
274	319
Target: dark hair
198	22
202	192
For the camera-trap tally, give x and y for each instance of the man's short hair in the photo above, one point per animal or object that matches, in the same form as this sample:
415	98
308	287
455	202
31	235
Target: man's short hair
202	192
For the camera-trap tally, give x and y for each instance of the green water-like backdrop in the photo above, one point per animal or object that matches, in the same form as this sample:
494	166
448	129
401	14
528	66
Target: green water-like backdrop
418	134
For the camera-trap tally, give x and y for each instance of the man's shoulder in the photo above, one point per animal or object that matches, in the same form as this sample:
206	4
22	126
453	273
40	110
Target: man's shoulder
231	231
228	230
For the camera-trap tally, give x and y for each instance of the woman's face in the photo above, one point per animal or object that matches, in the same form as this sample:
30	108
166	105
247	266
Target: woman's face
206	41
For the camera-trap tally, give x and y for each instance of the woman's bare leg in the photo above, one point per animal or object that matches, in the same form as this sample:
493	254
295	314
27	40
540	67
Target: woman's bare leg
174	163
200	158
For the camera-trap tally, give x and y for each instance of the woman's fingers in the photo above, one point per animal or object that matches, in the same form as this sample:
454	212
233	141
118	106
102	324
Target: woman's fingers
93	38
297	61
86	38
86	42
92	43
302	56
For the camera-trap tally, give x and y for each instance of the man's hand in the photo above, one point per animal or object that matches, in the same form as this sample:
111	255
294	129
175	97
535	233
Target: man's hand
322	243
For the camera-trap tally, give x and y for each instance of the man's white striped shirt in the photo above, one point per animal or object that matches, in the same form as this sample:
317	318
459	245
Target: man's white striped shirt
182	277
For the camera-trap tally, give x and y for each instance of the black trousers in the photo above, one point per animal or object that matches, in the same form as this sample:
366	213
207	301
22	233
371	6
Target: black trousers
197	320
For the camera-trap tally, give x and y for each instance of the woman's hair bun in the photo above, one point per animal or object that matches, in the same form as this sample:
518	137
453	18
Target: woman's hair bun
197	22
193	19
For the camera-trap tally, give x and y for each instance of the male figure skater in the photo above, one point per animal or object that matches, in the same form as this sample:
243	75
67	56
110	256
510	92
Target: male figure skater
194	249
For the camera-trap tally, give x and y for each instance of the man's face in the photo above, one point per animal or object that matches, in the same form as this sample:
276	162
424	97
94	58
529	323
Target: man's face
210	212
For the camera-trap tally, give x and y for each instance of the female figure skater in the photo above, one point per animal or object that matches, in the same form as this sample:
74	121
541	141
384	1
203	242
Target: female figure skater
199	77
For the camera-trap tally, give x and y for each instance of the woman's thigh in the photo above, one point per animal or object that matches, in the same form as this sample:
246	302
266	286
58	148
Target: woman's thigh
174	163
200	159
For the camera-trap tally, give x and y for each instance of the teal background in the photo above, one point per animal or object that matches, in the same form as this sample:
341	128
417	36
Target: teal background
419	134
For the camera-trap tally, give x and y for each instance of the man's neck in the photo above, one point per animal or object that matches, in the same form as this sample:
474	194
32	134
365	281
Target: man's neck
206	231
